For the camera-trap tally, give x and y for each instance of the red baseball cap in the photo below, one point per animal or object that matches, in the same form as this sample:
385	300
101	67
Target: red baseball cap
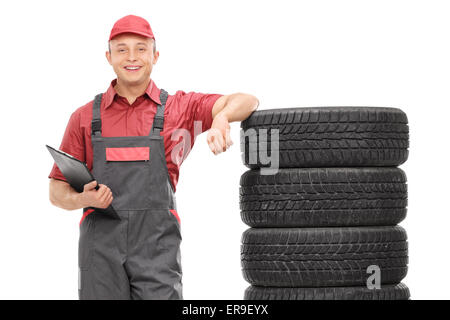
132	24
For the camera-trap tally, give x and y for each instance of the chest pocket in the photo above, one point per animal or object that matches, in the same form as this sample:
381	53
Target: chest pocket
128	154
127	174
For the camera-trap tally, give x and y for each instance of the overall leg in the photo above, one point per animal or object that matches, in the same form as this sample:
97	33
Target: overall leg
102	253
154	260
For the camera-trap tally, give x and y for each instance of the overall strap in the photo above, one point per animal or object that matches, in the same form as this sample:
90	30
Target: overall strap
158	121
96	120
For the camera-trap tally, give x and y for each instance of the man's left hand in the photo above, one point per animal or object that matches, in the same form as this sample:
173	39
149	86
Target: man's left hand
218	138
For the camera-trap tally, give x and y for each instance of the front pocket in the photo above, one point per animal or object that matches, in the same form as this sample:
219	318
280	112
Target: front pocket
168	228
86	243
174	212
85	214
128	154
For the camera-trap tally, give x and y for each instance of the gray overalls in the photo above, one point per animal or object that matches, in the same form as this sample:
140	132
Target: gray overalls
138	256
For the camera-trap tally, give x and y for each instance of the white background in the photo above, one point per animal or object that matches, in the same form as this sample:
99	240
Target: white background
287	53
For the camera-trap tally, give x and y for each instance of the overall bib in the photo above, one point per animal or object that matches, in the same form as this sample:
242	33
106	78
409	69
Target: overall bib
138	256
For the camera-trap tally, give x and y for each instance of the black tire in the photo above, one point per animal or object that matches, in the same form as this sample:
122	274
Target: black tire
324	197
323	257
328	137
387	292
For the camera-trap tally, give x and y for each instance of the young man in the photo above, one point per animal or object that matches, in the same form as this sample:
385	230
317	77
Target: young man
125	137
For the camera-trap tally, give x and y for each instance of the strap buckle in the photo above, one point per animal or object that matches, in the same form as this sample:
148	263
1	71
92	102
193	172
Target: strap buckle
96	125
158	122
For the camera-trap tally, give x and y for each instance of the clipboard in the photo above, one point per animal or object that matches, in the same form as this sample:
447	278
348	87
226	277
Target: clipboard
77	174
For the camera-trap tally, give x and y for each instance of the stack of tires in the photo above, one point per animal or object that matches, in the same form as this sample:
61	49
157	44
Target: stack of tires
323	198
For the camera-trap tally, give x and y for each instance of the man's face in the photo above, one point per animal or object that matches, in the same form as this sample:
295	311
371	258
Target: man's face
132	58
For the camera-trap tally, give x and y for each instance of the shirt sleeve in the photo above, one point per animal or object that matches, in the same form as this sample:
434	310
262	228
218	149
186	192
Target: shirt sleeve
72	143
200	107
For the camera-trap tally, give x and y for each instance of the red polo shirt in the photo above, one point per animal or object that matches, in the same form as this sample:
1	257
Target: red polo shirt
119	118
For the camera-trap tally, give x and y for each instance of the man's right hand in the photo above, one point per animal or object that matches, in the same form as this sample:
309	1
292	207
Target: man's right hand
100	198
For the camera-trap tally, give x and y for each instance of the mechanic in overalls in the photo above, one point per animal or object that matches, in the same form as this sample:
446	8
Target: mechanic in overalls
124	136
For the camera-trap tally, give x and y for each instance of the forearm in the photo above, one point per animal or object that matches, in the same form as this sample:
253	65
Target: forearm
63	195
238	107
234	107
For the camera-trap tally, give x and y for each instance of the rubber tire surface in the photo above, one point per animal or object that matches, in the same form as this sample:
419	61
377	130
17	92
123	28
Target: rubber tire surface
315	197
387	292
328	137
323	257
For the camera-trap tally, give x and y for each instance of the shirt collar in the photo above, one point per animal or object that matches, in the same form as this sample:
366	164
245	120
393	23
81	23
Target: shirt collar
152	92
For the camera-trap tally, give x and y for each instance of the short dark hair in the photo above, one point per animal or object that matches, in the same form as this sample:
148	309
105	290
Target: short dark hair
153	41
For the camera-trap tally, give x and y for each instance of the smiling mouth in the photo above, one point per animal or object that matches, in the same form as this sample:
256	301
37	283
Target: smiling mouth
134	68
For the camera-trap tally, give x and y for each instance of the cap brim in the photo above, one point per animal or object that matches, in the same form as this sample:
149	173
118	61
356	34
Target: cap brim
143	34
